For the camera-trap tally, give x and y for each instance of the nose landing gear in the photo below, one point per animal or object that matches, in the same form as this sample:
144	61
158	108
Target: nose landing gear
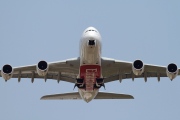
91	42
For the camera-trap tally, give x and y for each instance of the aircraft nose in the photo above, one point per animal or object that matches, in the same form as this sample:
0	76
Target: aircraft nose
91	35
91	30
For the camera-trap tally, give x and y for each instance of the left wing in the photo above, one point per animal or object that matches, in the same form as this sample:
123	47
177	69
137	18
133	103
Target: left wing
118	70
66	70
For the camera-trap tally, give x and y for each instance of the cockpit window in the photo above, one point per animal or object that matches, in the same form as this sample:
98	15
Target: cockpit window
90	30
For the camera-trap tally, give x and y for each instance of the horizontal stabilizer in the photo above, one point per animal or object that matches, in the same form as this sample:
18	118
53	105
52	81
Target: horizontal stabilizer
75	95
105	95
63	96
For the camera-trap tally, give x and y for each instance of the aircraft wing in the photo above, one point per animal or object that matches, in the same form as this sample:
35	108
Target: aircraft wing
66	70
75	95
118	70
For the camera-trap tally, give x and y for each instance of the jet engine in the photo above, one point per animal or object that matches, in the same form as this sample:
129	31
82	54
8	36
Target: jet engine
172	71
42	68
138	67
7	72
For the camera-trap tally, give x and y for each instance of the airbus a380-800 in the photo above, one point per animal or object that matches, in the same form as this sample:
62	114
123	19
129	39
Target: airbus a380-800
89	72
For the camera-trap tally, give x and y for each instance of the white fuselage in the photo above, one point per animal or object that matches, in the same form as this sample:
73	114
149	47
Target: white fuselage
90	62
90	54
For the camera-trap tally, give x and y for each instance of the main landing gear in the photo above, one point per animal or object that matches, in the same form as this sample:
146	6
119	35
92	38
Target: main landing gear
99	83
80	83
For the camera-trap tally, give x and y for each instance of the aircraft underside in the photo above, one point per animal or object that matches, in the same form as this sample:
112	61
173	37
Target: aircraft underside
90	78
89	71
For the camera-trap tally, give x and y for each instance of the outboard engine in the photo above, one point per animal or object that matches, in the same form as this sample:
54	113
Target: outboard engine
138	67
7	72
172	71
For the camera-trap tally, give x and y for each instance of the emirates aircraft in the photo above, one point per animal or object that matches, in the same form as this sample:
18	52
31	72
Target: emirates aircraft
89	72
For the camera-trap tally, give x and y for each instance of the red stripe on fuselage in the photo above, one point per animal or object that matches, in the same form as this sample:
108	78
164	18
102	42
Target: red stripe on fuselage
89	73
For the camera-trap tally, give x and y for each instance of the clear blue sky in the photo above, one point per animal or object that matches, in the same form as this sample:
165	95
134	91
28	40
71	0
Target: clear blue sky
50	30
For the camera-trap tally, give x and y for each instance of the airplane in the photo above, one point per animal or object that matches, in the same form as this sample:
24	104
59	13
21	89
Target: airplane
90	71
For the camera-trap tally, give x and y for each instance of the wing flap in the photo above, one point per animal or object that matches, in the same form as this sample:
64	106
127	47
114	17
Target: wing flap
50	75
105	95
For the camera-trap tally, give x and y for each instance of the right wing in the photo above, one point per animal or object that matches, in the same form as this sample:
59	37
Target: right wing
114	70
66	70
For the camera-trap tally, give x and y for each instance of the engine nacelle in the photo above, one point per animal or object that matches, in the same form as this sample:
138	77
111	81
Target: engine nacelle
138	67
172	71
7	72
42	68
